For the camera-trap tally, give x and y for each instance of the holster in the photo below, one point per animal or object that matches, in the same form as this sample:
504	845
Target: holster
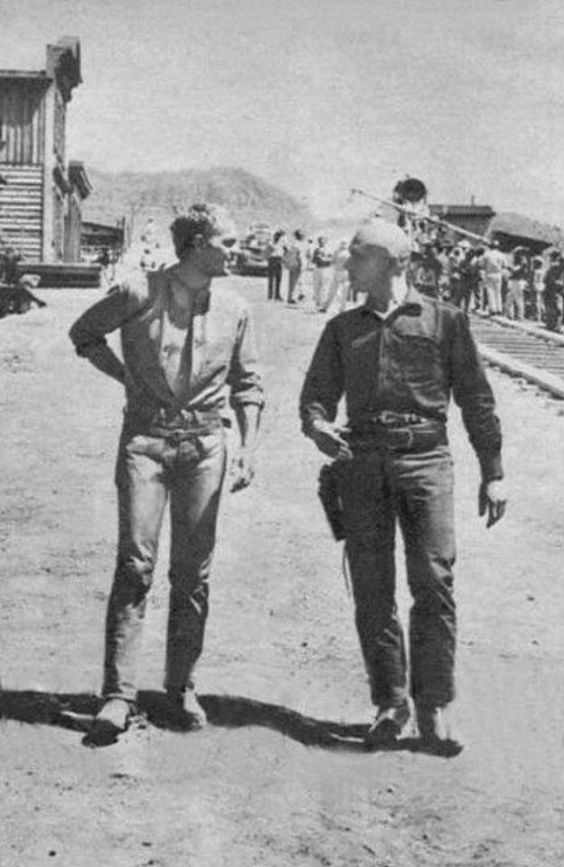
329	495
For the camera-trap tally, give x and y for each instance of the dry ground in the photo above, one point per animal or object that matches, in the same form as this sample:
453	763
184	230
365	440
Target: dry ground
266	784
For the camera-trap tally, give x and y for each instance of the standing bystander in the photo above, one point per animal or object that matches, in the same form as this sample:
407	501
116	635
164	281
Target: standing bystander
426	271
517	283
493	265
538	288
275	252
295	263
322	259
340	281
553	290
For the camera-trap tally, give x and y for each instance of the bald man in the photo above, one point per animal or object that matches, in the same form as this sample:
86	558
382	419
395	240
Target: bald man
396	360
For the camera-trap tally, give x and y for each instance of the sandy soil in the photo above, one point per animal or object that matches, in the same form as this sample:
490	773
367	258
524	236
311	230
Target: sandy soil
279	777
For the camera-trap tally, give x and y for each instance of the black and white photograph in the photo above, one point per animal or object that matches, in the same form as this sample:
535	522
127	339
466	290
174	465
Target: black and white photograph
282	414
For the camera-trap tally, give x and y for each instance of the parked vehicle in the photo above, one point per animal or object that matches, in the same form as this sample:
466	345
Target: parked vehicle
252	256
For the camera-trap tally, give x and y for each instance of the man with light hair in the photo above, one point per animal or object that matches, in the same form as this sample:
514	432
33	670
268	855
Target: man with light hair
396	360
184	349
339	287
322	260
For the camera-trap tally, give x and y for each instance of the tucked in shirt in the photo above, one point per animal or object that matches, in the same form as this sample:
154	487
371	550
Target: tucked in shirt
276	249
219	361
322	257
175	352
409	362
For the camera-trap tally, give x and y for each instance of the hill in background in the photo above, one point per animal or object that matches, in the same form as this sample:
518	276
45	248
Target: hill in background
138	195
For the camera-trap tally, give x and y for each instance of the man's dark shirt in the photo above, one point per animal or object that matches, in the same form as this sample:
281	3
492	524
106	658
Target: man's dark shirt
425	273
553	280
469	270
322	258
519	271
409	362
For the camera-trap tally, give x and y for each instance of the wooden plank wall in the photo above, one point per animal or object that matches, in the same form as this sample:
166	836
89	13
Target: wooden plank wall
22	117
21	202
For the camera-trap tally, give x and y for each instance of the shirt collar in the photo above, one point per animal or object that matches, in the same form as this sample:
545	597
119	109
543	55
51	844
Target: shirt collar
200	302
411	304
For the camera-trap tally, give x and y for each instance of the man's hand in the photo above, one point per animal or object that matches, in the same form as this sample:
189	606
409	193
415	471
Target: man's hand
329	439
242	469
492	499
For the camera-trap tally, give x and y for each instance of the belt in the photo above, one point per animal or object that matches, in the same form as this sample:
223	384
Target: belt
176	425
402	432
175	437
387	418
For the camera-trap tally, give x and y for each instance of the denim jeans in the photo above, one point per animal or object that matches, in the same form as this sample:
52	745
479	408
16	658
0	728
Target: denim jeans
151	471
379	489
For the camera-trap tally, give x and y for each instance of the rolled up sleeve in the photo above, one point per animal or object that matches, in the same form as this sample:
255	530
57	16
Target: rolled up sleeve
102	318
245	378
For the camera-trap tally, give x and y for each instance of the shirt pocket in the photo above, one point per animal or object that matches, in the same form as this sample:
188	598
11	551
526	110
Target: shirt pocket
418	361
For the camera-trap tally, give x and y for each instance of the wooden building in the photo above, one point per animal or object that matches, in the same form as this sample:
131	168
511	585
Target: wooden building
98	239
40	193
512	230
473	218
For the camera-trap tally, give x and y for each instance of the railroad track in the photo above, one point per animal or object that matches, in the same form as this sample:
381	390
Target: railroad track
533	354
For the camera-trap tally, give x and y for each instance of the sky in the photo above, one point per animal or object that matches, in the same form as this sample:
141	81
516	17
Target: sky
317	96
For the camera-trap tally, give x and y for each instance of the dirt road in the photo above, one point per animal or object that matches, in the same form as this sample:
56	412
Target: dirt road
268	783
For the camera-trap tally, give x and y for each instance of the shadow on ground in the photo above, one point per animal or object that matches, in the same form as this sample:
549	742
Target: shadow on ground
76	710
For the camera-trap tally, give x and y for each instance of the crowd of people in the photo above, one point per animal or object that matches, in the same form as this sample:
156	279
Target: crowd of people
316	271
518	284
475	277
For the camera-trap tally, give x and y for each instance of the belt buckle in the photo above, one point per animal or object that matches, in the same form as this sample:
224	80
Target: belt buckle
385	417
407	432
175	437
